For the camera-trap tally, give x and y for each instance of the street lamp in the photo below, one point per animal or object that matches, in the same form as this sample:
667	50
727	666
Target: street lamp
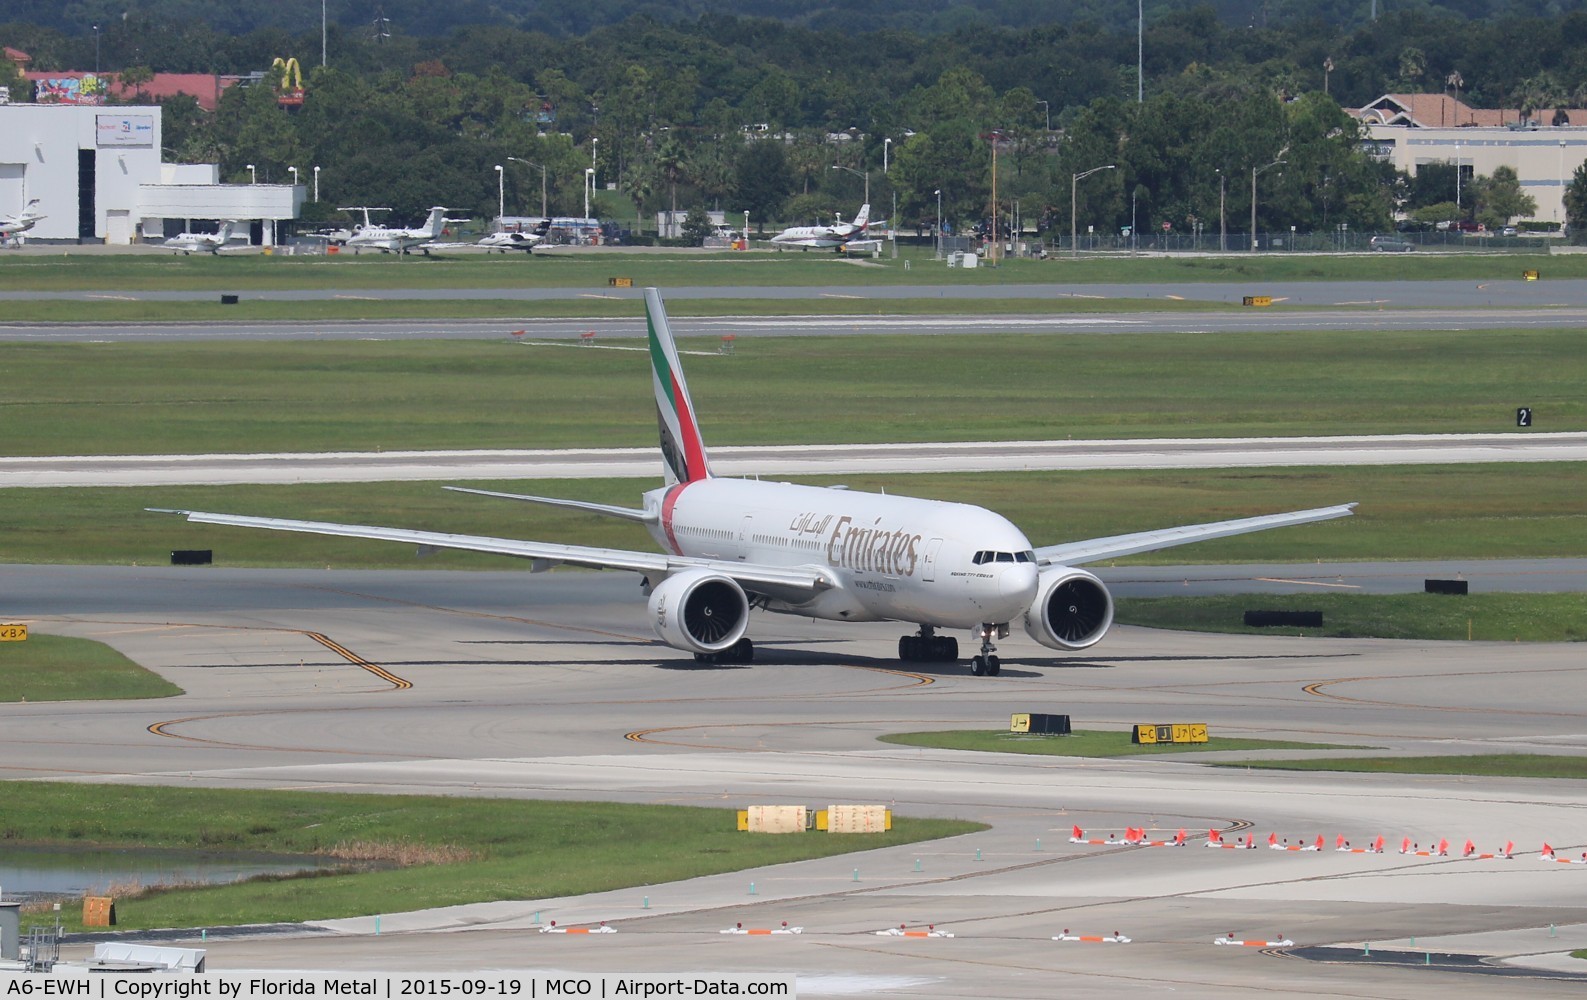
886	145
1561	177
1223	218
526	163
1047	113
1254	172
1074	184
253	177
856	173
1457	180
294	172
939	223
589	185
96	50
501	195
316	183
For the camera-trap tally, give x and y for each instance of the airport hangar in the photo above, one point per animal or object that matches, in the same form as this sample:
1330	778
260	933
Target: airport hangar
98	176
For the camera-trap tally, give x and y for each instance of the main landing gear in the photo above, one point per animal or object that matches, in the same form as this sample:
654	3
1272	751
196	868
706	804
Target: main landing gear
986	662
928	647
742	651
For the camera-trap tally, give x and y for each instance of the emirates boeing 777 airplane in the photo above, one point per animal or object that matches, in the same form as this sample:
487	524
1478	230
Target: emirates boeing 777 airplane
733	545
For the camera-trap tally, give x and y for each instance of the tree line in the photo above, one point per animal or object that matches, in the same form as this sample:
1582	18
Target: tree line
754	113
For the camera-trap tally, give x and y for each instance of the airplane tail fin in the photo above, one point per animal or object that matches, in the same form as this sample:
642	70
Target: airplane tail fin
864	218
224	232
436	222
682	449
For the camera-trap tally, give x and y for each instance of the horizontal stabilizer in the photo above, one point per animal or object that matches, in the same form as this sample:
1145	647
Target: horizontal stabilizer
626	513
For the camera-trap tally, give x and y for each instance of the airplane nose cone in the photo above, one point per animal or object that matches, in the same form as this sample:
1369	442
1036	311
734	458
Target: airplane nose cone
1017	583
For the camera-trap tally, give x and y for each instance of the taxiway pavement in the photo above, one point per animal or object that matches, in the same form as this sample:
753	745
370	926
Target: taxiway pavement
551	686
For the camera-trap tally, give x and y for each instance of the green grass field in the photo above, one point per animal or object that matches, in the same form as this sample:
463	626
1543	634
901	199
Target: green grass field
242	273
383	395
1084	743
492	848
1512	765
1519	511
58	668
1483	617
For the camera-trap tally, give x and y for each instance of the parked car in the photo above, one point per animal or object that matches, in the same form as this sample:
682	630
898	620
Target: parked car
1508	231
1388	244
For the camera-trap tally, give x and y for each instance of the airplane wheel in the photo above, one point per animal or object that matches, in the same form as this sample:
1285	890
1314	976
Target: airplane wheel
994	666
906	649
744	651
978	666
945	649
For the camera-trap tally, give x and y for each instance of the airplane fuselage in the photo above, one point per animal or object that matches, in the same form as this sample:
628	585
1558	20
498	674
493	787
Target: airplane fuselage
892	558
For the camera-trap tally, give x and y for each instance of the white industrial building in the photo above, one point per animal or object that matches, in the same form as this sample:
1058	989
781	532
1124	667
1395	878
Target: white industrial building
1543	149
97	174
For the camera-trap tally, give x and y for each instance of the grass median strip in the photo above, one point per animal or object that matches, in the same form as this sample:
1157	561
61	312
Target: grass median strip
59	668
1481	617
1085	743
440	850
371	395
1504	765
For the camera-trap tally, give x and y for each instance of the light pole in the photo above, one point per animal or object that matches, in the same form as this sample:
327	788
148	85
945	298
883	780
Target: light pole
1047	113
294	172
887	144
1254	172
589	185
939	223
892	219
316	183
1561	178
322	38
253	177
866	174
515	159
501	195
1457	181
1074	184
96	50
1223	219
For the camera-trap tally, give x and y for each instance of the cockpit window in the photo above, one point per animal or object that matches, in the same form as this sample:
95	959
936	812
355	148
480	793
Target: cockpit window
985	556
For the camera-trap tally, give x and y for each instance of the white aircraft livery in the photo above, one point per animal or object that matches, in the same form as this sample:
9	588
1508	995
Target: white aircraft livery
730	546
836	236
11	229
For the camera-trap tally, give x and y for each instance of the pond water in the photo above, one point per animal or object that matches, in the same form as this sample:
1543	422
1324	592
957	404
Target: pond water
38	872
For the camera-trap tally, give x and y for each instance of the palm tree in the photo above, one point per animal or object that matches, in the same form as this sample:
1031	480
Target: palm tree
672	161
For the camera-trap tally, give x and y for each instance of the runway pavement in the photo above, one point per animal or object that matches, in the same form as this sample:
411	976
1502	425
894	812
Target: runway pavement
794	460
552	686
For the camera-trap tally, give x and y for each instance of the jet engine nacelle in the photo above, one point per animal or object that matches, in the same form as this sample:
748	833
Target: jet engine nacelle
1072	610
699	611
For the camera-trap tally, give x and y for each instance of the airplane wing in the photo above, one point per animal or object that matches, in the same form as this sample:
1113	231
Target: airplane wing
1114	546
785	581
627	513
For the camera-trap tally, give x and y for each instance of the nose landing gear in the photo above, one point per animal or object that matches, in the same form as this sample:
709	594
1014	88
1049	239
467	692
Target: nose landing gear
986	662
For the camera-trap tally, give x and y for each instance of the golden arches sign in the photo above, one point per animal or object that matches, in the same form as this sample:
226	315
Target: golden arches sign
291	72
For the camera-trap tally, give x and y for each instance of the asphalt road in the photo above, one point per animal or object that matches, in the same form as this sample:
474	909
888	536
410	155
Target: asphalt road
552	686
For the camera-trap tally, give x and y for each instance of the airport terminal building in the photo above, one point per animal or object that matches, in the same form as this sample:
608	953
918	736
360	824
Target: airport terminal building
98	175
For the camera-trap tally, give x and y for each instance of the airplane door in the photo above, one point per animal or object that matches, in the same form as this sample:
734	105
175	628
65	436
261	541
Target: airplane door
746	531
928	572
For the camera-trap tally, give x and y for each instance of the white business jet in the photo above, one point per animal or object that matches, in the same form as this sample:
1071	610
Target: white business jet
396	240
12	228
509	240
190	243
836	236
733	545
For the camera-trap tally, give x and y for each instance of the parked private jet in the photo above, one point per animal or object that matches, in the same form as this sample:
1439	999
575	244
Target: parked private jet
396	240
730	546
190	243
835	236
510	241
12	228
